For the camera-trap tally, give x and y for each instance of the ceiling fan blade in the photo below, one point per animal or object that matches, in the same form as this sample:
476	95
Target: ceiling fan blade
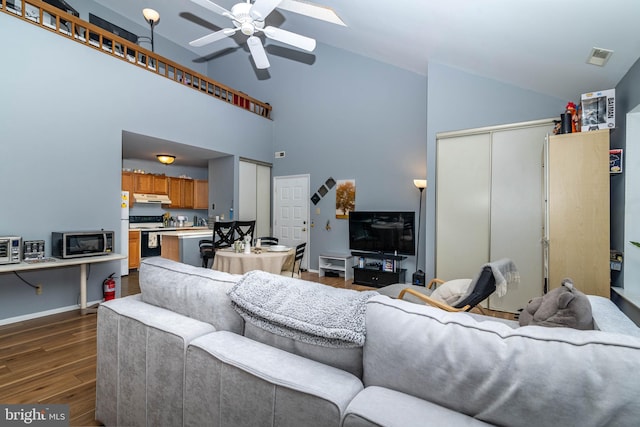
257	52
322	13
293	39
213	37
213	7
262	8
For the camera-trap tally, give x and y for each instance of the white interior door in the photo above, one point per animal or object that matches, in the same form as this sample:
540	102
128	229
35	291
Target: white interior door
291	212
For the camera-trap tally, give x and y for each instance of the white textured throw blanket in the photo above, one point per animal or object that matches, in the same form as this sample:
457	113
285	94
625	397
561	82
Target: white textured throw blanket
506	273
305	311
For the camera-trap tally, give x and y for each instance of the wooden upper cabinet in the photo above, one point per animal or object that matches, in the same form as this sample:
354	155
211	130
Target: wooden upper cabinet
127	182
143	183
160	184
183	192
201	194
187	193
175	192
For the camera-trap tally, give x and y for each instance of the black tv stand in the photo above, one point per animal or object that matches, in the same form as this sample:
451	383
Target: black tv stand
374	274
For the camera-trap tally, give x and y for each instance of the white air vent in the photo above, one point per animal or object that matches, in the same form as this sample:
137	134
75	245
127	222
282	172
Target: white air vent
599	56
280	154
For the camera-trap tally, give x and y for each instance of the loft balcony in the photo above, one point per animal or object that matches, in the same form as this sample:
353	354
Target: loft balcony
73	28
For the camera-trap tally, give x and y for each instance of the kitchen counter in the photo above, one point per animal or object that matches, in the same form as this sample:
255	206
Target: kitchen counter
183	245
187	234
161	229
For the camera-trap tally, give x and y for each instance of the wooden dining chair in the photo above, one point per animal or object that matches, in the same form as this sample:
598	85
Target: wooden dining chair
222	238
297	261
244	228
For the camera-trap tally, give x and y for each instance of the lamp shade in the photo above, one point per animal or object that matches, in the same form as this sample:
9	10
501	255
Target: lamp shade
167	159
420	183
152	16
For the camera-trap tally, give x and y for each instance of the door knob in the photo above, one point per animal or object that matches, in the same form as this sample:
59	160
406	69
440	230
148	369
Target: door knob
304	228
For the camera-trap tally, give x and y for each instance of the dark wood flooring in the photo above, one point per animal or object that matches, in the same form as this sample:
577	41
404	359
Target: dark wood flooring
52	359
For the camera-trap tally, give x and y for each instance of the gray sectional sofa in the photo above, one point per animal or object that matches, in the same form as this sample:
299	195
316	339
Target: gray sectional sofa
179	354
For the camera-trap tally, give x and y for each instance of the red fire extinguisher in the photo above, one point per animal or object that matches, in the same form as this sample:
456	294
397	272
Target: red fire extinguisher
109	288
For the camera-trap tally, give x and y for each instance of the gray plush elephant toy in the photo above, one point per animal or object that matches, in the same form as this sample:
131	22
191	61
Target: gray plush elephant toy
561	307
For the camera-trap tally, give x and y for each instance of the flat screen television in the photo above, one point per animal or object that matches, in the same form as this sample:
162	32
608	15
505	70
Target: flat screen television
382	232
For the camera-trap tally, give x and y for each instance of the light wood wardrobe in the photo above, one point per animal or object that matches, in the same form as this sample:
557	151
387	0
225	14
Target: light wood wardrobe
578	211
491	192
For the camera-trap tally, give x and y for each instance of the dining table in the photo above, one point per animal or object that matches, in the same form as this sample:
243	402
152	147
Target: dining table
258	259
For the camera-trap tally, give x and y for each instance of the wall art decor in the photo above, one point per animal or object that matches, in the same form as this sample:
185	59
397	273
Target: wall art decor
345	198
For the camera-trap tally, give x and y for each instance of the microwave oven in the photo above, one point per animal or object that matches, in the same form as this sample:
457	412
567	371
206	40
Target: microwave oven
76	244
10	250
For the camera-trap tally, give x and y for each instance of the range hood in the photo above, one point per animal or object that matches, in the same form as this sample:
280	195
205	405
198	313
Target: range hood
151	198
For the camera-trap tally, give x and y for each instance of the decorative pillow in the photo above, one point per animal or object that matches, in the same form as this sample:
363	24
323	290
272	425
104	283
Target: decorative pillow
451	291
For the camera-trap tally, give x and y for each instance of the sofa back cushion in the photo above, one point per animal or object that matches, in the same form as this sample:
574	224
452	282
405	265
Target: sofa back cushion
191	291
500	375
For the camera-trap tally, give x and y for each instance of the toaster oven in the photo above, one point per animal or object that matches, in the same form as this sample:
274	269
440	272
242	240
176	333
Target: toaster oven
10	250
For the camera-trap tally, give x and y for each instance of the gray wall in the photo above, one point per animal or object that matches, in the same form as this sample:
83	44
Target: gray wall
343	116
64	108
460	100
627	98
346	116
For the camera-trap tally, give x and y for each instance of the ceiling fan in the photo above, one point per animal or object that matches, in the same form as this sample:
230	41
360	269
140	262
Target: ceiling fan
248	18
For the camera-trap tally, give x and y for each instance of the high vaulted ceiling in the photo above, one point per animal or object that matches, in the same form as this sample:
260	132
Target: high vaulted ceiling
540	45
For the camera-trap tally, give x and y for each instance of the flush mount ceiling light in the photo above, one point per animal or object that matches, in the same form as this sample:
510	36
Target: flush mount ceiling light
166	159
599	56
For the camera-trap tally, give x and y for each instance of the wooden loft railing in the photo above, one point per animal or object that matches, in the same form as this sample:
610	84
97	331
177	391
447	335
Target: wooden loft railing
74	28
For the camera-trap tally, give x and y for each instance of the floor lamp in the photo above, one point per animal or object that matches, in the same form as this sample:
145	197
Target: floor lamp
418	276
152	17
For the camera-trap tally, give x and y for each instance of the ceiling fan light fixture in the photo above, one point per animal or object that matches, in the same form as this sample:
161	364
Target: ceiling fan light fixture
166	159
247	28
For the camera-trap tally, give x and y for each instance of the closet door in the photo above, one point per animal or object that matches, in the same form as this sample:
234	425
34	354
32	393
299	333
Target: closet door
517	211
463	194
255	196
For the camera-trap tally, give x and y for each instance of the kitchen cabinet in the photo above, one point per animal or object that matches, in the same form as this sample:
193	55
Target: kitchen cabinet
150	184
144	183
127	182
200	194
160	184
134	249
181	193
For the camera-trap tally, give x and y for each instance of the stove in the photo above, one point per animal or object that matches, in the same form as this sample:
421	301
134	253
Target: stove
145	221
150	241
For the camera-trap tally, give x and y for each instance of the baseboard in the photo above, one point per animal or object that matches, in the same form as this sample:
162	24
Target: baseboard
31	316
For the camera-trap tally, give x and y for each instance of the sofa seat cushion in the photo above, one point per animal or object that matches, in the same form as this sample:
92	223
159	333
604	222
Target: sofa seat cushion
517	377
240	382
191	291
377	406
